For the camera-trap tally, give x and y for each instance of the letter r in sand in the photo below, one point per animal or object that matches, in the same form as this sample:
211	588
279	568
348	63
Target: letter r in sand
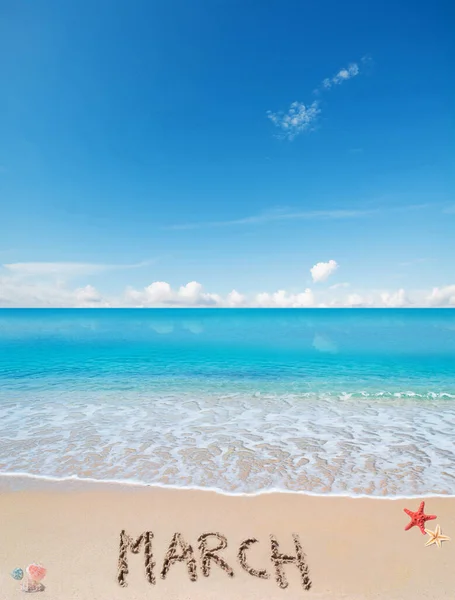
209	554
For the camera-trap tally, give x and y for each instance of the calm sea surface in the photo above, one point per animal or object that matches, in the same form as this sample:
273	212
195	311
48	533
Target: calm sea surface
324	401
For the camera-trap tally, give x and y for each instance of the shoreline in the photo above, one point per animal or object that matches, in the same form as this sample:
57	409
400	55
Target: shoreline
356	550
73	481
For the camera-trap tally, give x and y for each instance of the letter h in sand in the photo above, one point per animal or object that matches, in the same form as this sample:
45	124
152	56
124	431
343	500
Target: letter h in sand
279	560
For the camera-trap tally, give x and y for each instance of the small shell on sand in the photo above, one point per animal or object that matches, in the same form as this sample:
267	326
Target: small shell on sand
30	586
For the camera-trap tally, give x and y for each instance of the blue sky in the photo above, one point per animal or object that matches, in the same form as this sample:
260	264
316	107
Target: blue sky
143	142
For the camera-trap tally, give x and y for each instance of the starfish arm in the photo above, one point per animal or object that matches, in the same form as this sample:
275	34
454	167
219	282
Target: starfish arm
421	507
422	528
438	542
430	542
407	511
444	538
408	526
431	517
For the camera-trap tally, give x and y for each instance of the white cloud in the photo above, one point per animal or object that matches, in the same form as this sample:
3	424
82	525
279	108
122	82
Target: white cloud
296	120
283	215
43	269
338	286
321	271
299	116
235	300
65	269
280	214
19	293
160	293
283	299
343	75
30	291
410	263
355	301
440	297
191	294
395	300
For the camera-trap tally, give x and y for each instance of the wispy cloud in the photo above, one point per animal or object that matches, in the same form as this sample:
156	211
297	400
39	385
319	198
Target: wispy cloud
343	75
338	286
449	210
410	263
279	215
290	215
297	119
25	293
301	117
66	269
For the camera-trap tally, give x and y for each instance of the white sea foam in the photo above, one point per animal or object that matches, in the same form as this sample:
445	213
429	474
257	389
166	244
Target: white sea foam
386	444
19	481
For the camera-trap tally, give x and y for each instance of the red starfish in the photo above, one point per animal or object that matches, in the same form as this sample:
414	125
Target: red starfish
418	518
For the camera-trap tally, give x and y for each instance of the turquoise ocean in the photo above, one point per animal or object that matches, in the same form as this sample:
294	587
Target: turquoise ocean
347	402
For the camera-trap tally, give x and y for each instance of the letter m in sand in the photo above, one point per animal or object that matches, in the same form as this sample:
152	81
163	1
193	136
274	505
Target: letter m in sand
127	543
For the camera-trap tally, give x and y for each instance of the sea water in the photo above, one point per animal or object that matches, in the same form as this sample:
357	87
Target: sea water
315	400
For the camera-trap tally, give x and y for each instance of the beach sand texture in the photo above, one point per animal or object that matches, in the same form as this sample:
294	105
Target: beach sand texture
355	548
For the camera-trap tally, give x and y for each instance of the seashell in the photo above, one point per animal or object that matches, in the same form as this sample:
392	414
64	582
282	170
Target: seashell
17	574
31	586
36	572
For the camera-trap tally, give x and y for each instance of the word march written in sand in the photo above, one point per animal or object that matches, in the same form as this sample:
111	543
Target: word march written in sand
209	545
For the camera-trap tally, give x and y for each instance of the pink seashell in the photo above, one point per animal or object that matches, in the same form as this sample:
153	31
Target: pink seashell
31	586
36	572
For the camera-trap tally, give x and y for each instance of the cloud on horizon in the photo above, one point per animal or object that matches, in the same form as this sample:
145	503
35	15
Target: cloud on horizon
28	292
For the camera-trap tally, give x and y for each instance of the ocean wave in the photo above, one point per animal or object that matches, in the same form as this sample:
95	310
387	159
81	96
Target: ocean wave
391	443
25	480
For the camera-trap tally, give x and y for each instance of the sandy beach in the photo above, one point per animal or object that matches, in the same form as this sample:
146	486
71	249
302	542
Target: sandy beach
353	548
